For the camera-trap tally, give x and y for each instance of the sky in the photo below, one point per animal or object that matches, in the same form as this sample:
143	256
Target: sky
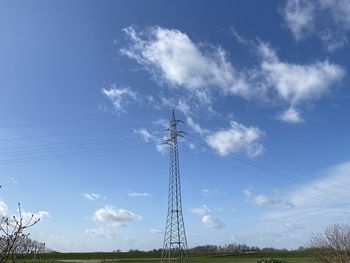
87	89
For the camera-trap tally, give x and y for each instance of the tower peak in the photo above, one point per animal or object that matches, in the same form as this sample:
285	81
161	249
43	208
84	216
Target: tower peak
173	116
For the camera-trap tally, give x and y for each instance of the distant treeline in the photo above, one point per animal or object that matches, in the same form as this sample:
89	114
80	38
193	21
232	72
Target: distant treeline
229	248
22	245
234	247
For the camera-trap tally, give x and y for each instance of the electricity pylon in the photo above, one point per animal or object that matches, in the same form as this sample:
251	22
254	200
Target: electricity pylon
175	242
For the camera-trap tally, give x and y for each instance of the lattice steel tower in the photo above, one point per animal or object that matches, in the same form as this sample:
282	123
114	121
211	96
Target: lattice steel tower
175	242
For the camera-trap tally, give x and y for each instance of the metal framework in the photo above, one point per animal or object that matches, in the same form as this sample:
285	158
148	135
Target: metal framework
175	242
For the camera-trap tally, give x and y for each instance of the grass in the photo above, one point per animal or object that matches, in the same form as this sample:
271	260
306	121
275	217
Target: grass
153	257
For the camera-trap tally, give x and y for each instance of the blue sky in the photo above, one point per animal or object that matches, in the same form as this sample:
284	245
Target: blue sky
87	89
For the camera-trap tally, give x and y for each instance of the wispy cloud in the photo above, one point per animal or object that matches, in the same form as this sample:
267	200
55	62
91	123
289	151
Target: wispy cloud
188	108
210	192
120	97
155	231
328	20
195	126
136	194
145	134
12	180
315	204
100	232
201	211
115	217
91	196
148	136
265	200
331	188
255	199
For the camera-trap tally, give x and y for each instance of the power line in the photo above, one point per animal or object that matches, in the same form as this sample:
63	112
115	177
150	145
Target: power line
76	132
82	152
32	152
73	120
261	177
52	146
250	163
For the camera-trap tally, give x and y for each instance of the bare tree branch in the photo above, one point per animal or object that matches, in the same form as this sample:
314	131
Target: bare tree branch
13	241
333	245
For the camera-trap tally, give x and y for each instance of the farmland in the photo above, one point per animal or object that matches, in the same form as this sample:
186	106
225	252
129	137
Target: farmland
152	257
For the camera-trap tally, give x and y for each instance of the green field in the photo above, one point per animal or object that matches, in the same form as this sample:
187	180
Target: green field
152	257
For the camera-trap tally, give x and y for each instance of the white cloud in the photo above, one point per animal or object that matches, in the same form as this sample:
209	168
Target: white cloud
265	200
189	108
198	73
236	138
144	133
135	194
179	103
162	148
115	217
66	243
155	231
291	115
212	222
206	192
164	123
329	20
210	192
3	209
297	84
100	232
120	97
201	211
42	215
181	62
91	196
255	199
207	218
154	137
26	216
12	180
147	136
239	38
195	126
299	17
